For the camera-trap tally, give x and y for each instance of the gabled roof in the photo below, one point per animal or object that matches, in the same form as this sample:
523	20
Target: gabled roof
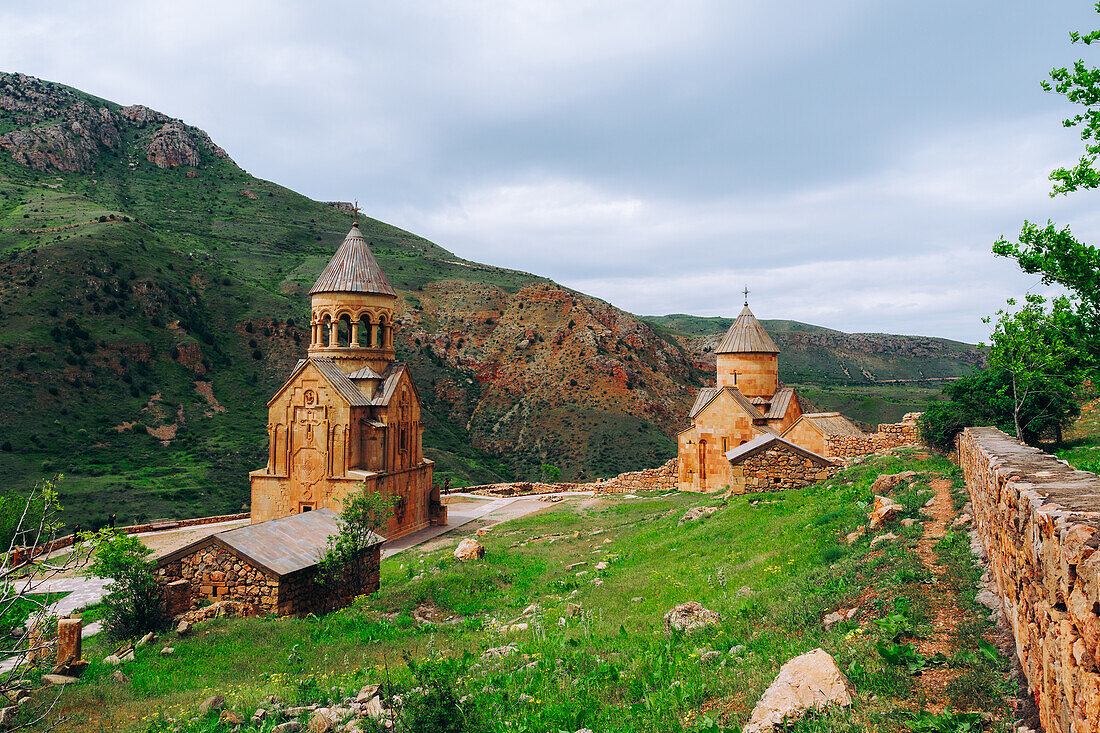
334	376
780	403
709	394
746	335
365	373
279	546
353	269
829	423
390	379
763	442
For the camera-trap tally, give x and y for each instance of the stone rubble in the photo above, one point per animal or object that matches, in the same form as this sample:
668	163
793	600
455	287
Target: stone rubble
690	616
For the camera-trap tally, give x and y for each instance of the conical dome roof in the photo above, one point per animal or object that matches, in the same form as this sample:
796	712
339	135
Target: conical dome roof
353	269
746	335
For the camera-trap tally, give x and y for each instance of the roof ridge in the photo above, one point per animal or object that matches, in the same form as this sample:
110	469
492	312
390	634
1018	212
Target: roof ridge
746	335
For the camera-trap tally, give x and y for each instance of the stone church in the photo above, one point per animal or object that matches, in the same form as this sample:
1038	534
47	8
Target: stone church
349	413
746	403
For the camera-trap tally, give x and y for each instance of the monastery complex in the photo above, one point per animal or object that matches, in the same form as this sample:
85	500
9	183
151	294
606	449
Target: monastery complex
749	433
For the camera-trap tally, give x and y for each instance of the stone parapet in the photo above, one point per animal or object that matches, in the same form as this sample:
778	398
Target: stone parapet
1039	524
887	437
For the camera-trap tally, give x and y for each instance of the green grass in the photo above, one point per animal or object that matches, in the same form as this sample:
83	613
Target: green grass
610	668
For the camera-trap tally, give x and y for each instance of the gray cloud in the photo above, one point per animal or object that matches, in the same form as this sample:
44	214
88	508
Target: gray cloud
853	161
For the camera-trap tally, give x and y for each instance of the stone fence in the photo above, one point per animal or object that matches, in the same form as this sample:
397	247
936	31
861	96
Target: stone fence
61	542
888	435
1039	524
663	478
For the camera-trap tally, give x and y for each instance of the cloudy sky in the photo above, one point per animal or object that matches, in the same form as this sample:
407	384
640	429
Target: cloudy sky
851	161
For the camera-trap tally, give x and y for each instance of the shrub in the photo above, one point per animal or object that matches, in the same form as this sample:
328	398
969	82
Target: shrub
133	604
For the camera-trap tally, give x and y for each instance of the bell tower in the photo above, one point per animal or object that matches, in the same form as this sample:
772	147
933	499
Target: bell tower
748	359
351	309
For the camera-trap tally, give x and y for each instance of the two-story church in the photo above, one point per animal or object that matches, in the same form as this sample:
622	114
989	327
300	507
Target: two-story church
349	413
746	404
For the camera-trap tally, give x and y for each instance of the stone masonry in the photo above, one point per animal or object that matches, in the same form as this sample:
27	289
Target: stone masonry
888	435
662	478
1039	524
776	469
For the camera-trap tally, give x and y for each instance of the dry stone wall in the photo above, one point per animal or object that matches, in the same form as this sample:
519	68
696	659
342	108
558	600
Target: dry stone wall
663	478
888	435
215	573
1039	524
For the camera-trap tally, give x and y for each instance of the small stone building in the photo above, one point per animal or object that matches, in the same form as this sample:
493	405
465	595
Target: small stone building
817	431
771	463
271	565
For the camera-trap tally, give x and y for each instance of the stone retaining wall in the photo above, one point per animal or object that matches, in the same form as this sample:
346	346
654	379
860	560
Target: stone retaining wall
888	435
1039	524
663	478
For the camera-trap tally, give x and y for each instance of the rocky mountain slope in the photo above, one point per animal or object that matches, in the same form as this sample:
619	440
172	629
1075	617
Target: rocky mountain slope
153	297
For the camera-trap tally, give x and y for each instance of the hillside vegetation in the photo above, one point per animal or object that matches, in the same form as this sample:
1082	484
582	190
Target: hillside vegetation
772	566
153	296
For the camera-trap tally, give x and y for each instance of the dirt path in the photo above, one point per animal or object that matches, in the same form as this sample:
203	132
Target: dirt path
944	612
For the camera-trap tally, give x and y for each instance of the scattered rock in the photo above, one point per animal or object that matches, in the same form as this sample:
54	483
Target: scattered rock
112	659
696	513
59	679
582	563
883	538
962	520
573	609
184	628
499	651
908	522
469	549
146	639
228	717
689	617
744	591
884	510
601	566
128	656
119	677
291	726
167	651
930	503
513	628
369	692
711	657
322	721
636	599
214	702
737	650
989	599
834	618
530	610
259	716
811	681
851	537
886	482
8	715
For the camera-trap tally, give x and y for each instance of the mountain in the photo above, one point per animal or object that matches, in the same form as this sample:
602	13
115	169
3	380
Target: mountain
153	296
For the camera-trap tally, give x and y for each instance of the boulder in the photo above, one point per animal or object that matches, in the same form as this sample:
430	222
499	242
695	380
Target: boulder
323	720
811	681
696	513
883	538
230	718
886	482
469	549
291	726
59	679
499	651
690	616
146	639
118	676
184	628
167	651
884	510
214	702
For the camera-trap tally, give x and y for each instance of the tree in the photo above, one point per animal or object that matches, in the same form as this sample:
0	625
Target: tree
134	603
1035	350
549	472
362	514
1055	253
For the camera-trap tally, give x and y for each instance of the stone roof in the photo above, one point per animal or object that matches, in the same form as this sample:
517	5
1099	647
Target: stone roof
780	403
763	442
832	423
353	269
280	546
706	394
365	373
341	382
746	335
390	378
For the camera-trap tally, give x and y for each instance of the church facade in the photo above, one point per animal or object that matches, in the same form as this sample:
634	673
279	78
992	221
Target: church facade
349	413
747	402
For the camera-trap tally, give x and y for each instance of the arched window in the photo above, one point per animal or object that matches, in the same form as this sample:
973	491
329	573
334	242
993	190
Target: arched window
365	333
326	330
702	460
382	324
343	331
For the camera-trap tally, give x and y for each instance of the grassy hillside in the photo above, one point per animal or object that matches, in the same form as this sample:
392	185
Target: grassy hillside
772	565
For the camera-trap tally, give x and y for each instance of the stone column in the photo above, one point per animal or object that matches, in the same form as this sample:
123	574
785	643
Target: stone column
354	334
334	333
68	640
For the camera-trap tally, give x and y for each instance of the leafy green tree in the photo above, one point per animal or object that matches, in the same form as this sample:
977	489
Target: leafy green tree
1056	254
1035	349
550	473
134	601
363	513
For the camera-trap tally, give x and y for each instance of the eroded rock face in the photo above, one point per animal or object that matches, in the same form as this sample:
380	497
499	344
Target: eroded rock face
811	681
141	115
171	146
690	616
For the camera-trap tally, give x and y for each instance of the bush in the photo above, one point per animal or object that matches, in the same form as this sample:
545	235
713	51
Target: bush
133	605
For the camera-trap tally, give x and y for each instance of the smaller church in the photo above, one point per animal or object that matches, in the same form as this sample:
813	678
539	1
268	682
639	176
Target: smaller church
748	406
349	412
